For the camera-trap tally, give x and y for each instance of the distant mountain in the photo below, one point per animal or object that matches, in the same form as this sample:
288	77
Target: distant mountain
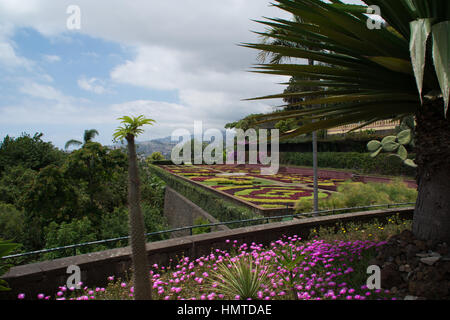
163	145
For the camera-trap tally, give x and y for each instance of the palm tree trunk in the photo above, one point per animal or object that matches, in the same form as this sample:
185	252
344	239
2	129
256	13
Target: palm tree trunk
141	277
432	213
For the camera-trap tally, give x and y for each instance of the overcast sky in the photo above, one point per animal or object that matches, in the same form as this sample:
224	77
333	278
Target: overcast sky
175	61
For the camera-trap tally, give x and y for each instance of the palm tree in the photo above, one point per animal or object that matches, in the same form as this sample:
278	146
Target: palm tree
398	70
131	128
89	135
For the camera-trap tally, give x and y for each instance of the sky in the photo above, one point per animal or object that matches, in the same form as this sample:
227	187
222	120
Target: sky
175	61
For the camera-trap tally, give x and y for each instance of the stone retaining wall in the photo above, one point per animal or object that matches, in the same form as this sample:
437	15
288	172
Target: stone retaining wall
181	212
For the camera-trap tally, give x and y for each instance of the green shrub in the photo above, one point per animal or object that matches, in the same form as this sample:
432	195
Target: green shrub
75	232
198	222
115	225
6	248
28	151
14	183
357	194
155	156
12	223
154	220
374	231
358	162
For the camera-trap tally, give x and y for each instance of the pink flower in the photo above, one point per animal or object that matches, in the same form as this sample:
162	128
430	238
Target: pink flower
21	296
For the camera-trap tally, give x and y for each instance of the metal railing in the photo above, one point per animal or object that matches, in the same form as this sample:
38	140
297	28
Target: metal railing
191	228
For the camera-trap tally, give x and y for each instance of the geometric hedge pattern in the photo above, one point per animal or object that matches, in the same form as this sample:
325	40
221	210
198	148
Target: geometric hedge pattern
270	196
248	184
290	178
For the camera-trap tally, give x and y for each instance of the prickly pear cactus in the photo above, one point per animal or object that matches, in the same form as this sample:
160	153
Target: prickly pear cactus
394	145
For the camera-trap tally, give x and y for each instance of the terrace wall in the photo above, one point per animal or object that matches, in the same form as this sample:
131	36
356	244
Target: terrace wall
45	277
182	212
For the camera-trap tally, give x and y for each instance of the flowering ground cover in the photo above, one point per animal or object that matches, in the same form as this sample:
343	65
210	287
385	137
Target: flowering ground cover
330	265
287	269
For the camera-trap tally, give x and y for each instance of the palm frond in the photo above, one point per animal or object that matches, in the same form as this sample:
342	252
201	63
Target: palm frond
89	135
71	143
131	126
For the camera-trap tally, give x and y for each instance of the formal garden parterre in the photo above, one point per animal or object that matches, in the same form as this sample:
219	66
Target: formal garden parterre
246	183
270	196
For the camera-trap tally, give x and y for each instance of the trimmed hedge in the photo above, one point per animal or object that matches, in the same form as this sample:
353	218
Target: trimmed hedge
219	208
162	162
360	163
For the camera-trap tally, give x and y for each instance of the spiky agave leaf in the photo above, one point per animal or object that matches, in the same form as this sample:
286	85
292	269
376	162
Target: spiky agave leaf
368	74
244	278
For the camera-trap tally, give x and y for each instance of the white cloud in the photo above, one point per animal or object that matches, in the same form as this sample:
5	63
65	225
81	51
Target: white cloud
154	67
8	56
45	92
214	96
52	58
47	78
92	85
188	46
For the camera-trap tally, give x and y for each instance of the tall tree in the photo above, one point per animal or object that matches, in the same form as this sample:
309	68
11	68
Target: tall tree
89	135
30	152
375	72
131	128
